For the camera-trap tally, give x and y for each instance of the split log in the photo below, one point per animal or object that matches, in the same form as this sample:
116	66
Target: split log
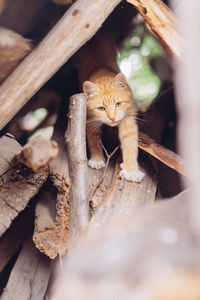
52	211
76	148
162	22
18	183
75	28
30	275
37	153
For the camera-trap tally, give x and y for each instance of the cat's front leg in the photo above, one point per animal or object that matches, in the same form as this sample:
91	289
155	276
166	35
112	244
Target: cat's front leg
128	135
96	160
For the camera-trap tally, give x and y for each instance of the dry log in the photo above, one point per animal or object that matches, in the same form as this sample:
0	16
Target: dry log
18	183
76	148
30	275
37	153
168	157
13	48
162	22
68	35
52	211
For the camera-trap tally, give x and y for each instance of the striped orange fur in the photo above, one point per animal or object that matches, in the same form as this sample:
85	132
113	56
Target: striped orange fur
110	101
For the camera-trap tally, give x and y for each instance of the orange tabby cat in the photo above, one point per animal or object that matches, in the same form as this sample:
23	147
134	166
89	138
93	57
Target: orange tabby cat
110	101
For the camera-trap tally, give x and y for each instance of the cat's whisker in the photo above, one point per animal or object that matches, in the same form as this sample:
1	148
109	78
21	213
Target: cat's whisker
141	121
95	126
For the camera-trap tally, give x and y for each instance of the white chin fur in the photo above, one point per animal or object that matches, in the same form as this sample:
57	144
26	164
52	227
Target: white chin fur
96	164
135	176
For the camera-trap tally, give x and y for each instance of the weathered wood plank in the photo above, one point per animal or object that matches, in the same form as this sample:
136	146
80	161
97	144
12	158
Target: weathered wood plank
18	183
30	275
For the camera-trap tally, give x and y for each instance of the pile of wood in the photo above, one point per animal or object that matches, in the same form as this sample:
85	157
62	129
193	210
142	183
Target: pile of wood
107	238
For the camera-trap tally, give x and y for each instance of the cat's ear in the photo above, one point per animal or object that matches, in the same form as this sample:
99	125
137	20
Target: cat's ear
119	80
89	88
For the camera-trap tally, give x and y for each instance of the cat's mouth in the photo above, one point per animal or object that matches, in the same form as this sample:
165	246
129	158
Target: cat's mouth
113	123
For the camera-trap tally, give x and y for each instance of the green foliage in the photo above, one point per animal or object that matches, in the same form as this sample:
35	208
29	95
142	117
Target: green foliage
134	62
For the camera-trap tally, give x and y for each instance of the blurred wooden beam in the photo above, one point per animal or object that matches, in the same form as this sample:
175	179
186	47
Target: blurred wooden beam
162	22
76	27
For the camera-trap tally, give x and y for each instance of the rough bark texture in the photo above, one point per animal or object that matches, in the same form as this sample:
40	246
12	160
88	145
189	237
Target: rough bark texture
52	211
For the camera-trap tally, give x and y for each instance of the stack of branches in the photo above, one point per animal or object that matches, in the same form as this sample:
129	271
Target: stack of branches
109	226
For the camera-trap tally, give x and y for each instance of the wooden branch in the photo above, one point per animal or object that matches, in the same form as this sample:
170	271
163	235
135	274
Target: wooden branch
168	157
18	183
30	275
75	28
76	148
162	22
37	153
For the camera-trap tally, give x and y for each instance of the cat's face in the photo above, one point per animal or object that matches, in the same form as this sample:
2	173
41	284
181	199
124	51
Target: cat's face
108	102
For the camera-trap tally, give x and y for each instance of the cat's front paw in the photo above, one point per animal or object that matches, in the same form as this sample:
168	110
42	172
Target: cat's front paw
135	176
96	164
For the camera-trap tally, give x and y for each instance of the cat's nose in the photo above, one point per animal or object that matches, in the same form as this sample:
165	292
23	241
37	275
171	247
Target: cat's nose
112	118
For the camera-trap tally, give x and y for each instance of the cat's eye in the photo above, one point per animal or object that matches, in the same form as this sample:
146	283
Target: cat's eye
118	104
101	108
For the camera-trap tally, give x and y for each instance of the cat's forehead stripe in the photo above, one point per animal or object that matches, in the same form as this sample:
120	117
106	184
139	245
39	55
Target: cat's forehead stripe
108	99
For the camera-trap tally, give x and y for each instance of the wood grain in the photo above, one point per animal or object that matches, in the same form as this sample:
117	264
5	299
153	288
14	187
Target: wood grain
77	157
30	275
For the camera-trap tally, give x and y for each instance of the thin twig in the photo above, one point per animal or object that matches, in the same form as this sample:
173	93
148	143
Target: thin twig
104	172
